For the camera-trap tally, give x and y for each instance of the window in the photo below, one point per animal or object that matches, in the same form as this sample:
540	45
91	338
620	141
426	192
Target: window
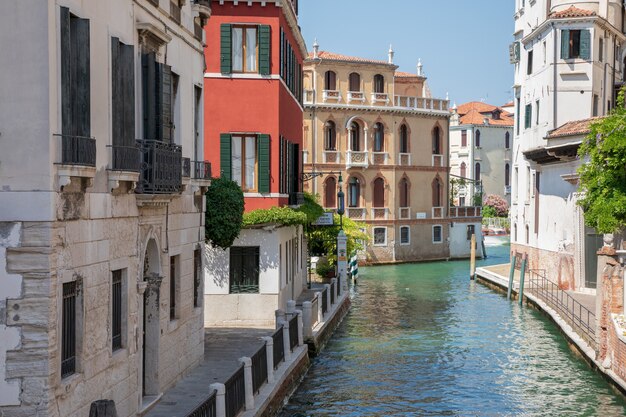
379	137
379	193
436	141
354	192
601	50
527	235
477	139
330	136
404	139
519	112
245	49
122	103
355	82
515	179
528	116
355	139
288	167
290	67
157	99
175	10
244	270
596	102
405	235
116	310
528	178
507	175
197	274
437	189
244	161
545	52
537	112
471	230
437	234
463	170
575	44
174	278
379	84
404	193
507	140
463	138
529	67
514	232
477	171
69	328
330	192
380	236
330	81
462	201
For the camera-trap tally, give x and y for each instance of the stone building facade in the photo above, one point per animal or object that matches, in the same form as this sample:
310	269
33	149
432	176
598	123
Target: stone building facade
101	202
381	132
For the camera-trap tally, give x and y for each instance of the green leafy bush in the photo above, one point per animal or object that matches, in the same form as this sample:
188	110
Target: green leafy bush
278	215
223	219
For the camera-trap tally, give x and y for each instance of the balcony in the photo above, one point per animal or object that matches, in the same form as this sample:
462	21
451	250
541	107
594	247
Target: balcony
404	159
438	212
308	96
77	159
421	103
356	159
380	98
124	166
404	213
459	212
161	167
356	213
380	213
356	96
380	158
437	160
331	95
332	157
202	7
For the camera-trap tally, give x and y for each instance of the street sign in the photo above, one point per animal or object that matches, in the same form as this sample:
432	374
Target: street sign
420	215
325	219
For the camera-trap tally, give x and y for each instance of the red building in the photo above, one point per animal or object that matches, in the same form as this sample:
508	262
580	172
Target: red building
253	100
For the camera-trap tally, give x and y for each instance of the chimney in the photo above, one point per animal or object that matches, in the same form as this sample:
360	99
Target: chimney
316	49
419	67
391	53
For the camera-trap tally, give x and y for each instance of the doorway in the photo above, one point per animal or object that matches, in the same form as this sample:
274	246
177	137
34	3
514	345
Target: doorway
151	326
593	242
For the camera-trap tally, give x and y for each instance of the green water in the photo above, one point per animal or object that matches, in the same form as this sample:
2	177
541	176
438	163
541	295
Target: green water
422	340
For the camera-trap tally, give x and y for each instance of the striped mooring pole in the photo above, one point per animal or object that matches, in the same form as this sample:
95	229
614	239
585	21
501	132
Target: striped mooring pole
353	267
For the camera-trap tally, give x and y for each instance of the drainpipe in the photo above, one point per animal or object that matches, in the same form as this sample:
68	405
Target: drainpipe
554	85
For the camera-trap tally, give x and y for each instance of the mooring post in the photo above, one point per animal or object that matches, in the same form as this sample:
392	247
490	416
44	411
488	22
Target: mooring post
511	276
473	257
521	279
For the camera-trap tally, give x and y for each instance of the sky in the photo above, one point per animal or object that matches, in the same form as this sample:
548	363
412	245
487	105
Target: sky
463	44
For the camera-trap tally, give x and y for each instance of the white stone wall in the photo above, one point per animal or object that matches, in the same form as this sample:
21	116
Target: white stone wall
460	247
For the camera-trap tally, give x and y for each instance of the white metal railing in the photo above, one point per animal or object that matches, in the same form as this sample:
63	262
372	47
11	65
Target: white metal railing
457	212
437	212
356	159
356	213
331	157
437	160
404	213
380	98
380	158
356	96
404	159
331	95
421	103
380	213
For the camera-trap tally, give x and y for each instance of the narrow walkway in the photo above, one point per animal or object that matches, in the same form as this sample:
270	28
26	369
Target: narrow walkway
222	350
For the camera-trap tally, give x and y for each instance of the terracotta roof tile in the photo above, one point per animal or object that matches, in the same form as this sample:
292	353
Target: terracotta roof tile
475	112
573	128
509	104
338	57
401	74
573	11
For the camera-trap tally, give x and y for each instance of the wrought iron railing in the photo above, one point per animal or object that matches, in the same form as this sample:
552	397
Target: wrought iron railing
207	408
201	170
315	305
324	302
125	158
78	150
161	167
279	347
206	3
186	167
293	332
582	320
332	293
235	393
259	369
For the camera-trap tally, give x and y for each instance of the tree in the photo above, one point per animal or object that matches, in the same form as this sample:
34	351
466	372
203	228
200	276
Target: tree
325	237
495	204
224	214
603	175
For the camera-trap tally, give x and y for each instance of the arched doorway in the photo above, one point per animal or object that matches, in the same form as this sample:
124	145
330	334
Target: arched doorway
152	278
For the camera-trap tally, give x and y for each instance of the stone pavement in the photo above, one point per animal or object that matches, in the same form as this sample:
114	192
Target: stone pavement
222	349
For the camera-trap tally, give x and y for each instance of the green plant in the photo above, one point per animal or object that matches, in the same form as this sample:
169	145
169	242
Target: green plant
225	204
278	215
324	268
326	237
489	211
603	175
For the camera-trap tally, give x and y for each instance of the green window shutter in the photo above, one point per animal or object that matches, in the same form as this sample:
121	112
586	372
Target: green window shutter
528	116
585	44
66	79
565	44
226	156
226	55
265	42
263	163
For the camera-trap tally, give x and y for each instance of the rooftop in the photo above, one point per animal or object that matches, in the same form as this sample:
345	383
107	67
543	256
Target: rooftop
573	128
573	11
331	56
476	112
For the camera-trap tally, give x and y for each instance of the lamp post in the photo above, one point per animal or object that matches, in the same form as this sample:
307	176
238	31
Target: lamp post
341	209
342	240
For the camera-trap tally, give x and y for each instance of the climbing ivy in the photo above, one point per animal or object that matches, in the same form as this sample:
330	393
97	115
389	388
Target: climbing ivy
304	215
223	219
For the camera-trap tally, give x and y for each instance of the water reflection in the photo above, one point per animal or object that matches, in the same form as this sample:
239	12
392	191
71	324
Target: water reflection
422	340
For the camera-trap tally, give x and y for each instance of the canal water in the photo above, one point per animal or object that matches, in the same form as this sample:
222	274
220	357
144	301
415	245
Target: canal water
422	340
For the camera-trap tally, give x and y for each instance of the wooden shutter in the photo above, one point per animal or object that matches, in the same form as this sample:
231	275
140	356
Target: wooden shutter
117	101
226	55
263	163
81	103
528	116
226	156
66	79
149	77
585	44
127	74
265	42
166	106
564	44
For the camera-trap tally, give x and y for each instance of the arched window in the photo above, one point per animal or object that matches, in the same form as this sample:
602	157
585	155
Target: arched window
463	170
355	82
330	138
527	235
514	232
404	139
379	193
507	140
437	192
354	192
477	171
330	192
355	136
477	139
330	80
379	84
436	141
404	193
379	137
507	175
